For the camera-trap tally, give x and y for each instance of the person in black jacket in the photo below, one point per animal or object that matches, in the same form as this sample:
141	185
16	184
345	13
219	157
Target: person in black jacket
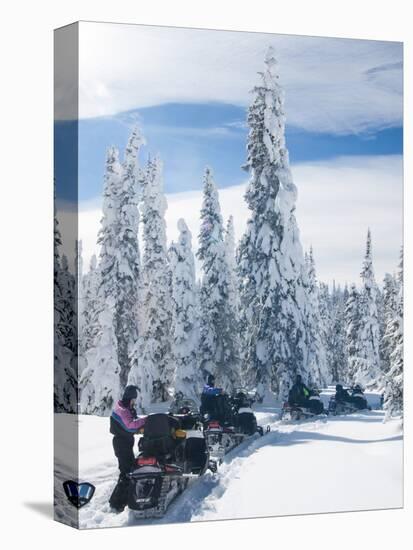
342	395
299	393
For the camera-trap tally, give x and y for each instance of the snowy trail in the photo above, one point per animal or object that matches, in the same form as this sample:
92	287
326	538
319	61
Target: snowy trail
327	465
337	465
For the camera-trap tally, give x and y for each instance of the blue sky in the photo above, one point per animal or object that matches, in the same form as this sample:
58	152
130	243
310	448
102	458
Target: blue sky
189	90
190	136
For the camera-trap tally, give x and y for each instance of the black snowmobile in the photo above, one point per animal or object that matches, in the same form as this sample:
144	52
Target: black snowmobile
169	456
312	407
344	402
227	423
187	412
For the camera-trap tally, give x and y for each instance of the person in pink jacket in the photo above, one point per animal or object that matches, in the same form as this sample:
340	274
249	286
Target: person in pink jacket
124	424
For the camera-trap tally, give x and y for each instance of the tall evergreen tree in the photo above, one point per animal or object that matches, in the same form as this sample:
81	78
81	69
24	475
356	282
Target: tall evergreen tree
100	378
128	268
338	360
113	287
65	332
185	327
151	368
233	299
218	345
326	319
393	394
110	225
270	256
100	382
315	353
229	241
92	306
368	369
389	309
353	321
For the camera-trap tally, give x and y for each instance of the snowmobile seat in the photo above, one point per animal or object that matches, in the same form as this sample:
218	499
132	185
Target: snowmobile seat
157	439
195	453
246	421
210	404
315	406
359	401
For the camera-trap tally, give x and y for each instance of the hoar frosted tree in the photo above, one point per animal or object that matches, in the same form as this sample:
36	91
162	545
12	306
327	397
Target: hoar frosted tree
219	353
315	354
367	370
151	369
65	332
270	256
100	382
353	321
393	394
128	268
185	322
389	308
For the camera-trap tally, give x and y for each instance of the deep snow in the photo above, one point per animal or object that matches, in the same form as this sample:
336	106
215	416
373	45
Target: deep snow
327	465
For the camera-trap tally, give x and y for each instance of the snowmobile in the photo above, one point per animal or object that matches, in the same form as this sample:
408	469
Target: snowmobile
359	399
187	412
292	412
243	397
227	424
165	464
356	402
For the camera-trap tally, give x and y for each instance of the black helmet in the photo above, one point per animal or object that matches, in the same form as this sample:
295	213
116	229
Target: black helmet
131	392
211	380
298	378
339	387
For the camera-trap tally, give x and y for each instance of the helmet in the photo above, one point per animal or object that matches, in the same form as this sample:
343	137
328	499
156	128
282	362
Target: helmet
357	387
211	380
339	387
131	392
298	378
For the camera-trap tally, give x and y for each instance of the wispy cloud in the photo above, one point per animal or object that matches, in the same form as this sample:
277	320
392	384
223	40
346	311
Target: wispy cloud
337	201
332	85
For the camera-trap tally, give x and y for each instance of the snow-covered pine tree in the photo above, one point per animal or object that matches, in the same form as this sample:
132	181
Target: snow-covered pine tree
128	268
233	297
229	241
368	370
393	394
151	368
327	319
270	256
113	286
100	378
337	357
315	353
353	321
389	309
92	306
219	353
79	280
110	224
185	328
65	332
100	382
